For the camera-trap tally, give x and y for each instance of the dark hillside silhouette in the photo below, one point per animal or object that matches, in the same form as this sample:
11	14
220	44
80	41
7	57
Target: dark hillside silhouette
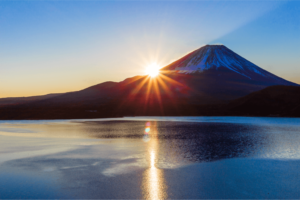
209	81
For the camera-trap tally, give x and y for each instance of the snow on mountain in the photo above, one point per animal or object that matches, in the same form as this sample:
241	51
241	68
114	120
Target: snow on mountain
218	57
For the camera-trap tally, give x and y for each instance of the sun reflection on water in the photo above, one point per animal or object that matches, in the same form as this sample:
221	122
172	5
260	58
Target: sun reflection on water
153	186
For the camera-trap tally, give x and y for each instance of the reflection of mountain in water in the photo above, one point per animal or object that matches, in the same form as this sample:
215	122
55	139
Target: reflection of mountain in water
190	141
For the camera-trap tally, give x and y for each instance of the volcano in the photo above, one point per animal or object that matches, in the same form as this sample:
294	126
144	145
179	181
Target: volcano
219	59
210	75
217	74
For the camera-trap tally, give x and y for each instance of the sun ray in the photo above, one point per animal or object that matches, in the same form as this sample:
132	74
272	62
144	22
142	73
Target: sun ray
139	87
164	85
148	92
157	92
167	90
128	99
172	81
149	87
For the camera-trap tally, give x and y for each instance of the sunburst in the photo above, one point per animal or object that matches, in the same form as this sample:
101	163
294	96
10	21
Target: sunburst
154	86
153	70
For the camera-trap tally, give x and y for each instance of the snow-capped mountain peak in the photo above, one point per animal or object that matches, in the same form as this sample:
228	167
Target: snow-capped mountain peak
217	57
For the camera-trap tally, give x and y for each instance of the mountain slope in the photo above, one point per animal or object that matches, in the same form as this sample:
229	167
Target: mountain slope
218	72
219	58
211	75
271	101
22	100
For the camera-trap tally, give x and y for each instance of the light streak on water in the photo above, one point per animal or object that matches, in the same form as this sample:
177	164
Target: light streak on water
154	186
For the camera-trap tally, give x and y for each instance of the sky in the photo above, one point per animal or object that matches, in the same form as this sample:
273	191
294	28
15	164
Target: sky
60	46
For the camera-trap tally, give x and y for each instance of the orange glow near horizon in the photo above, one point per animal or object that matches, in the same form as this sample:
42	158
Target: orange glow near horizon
149	89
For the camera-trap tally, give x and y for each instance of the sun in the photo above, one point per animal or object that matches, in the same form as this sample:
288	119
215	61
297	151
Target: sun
152	70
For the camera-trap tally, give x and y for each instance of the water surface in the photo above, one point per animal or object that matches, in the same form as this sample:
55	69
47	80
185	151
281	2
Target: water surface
150	157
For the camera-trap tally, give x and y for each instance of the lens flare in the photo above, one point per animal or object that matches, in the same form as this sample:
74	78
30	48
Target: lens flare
146	137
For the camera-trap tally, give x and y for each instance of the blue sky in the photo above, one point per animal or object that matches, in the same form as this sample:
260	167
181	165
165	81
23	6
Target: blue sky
60	46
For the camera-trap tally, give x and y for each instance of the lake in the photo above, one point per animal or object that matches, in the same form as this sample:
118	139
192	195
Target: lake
150	158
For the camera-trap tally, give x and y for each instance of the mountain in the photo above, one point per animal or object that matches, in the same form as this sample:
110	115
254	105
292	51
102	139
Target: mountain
223	74
204	79
22	100
271	101
218	58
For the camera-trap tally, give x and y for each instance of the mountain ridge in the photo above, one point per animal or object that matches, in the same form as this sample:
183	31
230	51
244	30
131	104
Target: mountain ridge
215	57
173	92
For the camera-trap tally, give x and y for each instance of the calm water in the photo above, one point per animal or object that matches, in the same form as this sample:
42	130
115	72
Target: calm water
151	157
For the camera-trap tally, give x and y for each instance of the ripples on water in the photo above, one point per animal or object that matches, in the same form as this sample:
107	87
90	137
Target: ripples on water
195	142
136	153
